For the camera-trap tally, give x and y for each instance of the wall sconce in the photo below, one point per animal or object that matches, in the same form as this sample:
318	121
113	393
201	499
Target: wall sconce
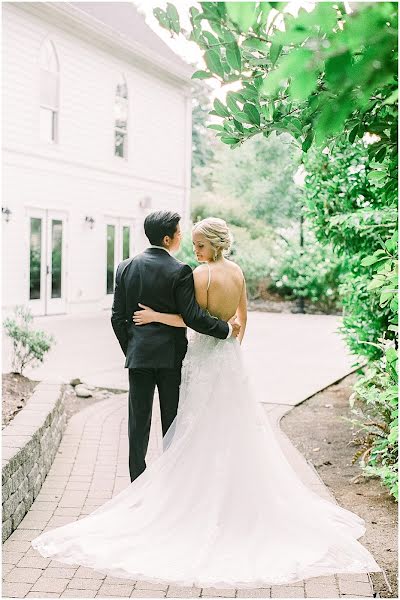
6	212
90	222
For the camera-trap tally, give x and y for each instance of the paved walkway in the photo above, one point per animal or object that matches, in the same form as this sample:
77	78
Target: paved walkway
304	346
91	467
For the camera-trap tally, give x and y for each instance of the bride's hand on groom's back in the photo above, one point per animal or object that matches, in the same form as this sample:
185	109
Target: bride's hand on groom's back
144	316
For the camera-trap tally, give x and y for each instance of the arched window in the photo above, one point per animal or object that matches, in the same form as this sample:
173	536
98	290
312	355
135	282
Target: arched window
121	119
49	78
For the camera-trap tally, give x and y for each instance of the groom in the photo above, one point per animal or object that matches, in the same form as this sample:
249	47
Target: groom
154	353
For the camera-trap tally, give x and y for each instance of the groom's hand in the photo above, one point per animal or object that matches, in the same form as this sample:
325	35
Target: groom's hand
235	329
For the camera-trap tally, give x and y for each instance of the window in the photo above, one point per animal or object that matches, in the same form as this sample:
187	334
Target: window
35	258
49	78
110	258
121	120
126	242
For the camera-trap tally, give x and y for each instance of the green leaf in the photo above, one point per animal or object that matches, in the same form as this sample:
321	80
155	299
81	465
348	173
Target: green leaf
229	140
213	62
331	118
233	56
353	133
201	75
338	69
216	127
251	111
292	64
392	98
275	51
277	5
231	103
301	87
308	141
220	109
162	18
242	13
376	175
173	16
369	260
238	125
255	44
211	39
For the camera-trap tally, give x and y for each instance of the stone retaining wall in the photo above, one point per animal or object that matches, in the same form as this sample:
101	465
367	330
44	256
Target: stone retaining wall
29	445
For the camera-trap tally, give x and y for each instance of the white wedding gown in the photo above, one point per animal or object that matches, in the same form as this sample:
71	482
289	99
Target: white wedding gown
221	506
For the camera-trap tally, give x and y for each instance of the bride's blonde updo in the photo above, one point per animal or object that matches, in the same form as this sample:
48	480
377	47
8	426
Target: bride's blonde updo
216	231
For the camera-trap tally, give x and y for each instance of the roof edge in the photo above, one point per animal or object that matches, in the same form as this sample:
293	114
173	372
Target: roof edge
80	19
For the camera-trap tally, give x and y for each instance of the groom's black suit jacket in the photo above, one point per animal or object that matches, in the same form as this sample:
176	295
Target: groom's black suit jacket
157	279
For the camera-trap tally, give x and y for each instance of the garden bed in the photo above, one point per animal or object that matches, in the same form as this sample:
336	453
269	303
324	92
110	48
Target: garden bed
315	424
17	390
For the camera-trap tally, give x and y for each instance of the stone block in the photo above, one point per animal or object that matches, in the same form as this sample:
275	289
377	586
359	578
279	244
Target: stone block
123	591
78	583
23	575
183	592
37	485
148	594
15	590
78	593
255	593
19	514
144	585
17	479
6	529
49	584
281	591
357	588
10	506
6	490
218	592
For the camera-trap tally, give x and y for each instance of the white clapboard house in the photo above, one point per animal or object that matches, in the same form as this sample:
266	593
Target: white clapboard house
96	134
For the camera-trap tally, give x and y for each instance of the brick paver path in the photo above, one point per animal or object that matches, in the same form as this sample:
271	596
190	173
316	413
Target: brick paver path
91	466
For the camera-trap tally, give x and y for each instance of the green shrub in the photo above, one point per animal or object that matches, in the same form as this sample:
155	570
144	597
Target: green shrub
29	345
311	273
375	406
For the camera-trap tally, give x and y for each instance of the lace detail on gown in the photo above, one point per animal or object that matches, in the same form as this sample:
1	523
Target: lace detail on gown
221	506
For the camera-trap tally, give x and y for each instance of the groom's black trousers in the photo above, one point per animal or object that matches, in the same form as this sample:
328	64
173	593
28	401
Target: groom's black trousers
142	383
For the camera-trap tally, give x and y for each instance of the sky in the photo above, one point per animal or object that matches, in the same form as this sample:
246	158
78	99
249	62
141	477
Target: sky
189	51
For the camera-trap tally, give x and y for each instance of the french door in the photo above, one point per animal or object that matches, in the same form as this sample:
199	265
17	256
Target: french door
47	261
119	246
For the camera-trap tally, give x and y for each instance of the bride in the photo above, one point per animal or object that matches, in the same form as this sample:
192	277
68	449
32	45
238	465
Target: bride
221	506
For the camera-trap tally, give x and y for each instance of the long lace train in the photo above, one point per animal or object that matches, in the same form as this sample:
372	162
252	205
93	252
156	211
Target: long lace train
221	506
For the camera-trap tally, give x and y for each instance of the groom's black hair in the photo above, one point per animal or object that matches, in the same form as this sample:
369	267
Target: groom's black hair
159	224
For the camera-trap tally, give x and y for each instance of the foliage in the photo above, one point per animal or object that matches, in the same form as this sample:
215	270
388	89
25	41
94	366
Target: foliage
260	175
375	406
347	210
29	346
314	79
310	272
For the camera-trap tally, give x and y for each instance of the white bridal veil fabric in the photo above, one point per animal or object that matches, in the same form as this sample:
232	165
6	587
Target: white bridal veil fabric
221	506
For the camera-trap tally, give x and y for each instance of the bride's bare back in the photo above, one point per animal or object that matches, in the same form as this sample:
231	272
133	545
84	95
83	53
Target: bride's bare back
226	292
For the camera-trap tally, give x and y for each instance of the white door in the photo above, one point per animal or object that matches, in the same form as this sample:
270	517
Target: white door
47	262
119	235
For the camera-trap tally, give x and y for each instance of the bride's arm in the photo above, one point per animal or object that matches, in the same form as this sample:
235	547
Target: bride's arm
241	312
148	315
